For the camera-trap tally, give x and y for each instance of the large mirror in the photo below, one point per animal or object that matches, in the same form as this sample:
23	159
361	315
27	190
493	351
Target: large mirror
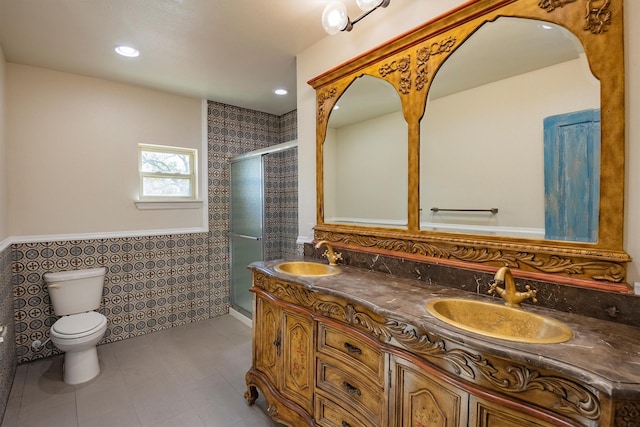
482	91
506	82
365	157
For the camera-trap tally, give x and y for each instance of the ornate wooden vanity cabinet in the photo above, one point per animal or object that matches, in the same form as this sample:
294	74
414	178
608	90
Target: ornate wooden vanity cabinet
358	349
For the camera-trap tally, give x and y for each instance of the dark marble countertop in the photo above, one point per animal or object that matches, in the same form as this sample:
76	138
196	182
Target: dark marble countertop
604	354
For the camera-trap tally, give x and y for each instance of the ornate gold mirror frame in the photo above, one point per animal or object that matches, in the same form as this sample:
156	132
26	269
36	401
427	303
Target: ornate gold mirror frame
410	62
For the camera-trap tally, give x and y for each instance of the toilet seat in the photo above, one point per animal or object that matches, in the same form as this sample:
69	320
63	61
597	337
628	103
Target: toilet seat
78	325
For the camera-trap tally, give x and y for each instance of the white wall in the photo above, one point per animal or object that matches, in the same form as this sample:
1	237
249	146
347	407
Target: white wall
496	157
4	205
400	17
370	159
72	153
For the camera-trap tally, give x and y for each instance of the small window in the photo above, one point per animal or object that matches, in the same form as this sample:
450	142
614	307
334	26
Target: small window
167	173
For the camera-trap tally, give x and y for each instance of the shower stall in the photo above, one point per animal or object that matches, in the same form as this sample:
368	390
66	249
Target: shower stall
264	214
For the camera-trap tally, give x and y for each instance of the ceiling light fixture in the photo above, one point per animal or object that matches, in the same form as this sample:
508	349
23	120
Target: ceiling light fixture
335	18
127	51
281	92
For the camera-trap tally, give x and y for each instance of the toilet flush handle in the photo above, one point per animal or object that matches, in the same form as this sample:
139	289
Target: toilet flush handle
53	286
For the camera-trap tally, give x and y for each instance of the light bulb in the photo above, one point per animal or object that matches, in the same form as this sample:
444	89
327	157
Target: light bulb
127	51
334	17
368	5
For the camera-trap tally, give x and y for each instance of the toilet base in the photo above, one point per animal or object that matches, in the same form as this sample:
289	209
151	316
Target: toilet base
81	366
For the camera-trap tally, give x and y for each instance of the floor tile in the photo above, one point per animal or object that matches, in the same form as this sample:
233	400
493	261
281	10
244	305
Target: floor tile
186	419
188	376
46	416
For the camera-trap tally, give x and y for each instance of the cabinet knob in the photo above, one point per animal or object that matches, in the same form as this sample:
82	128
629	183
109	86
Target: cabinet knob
351	389
345	424
352	349
277	342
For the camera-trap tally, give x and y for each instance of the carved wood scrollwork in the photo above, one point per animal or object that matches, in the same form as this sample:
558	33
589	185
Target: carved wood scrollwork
627	414
551	5
322	98
403	66
570	397
611	271
598	13
300	296
272	410
597	17
424	53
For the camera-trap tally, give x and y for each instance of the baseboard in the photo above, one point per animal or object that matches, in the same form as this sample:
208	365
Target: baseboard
241	317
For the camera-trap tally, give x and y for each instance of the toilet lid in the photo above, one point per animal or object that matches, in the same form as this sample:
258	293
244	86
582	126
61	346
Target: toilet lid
78	324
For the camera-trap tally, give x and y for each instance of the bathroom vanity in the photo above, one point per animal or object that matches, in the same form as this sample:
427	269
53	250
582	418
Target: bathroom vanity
359	348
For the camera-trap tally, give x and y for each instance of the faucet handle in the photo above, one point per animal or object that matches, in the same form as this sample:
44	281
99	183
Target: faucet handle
493	284
530	293
333	257
494	288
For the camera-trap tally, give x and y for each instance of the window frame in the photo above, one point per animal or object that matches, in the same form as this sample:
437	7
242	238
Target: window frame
192	154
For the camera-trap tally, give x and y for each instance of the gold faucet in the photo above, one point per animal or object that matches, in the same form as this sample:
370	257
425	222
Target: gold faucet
509	293
329	253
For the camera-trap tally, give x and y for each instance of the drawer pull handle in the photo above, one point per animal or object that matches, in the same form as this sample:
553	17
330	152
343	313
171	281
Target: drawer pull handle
351	389
352	349
345	424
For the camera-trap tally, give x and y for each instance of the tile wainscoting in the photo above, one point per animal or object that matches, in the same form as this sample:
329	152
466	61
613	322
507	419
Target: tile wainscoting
152	283
7	351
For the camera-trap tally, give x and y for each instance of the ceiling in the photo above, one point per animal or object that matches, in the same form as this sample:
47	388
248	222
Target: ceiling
231	51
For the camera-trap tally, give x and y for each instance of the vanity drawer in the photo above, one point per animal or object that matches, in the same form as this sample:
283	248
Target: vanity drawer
351	349
352	388
330	414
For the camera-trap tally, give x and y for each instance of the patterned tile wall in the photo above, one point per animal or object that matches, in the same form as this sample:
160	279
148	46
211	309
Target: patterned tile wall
152	283
234	131
157	282
289	126
7	351
281	204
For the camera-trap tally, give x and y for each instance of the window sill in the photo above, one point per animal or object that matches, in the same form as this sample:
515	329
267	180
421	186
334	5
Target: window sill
168	204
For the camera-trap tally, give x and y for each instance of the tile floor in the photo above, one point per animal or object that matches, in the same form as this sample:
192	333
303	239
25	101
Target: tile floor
188	376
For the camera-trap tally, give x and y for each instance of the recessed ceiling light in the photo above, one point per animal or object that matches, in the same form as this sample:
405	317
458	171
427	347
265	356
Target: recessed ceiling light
281	92
127	51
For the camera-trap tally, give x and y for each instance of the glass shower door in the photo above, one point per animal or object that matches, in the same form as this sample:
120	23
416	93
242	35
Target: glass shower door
246	235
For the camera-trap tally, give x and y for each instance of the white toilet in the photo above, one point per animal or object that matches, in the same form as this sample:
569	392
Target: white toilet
74	295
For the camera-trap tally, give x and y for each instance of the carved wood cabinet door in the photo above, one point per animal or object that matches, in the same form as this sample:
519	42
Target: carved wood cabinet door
421	400
487	414
298	359
268	339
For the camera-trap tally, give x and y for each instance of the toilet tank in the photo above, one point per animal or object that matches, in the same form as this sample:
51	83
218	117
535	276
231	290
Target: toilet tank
75	291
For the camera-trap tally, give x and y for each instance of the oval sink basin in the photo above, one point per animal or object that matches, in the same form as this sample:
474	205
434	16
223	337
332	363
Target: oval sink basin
499	321
304	268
